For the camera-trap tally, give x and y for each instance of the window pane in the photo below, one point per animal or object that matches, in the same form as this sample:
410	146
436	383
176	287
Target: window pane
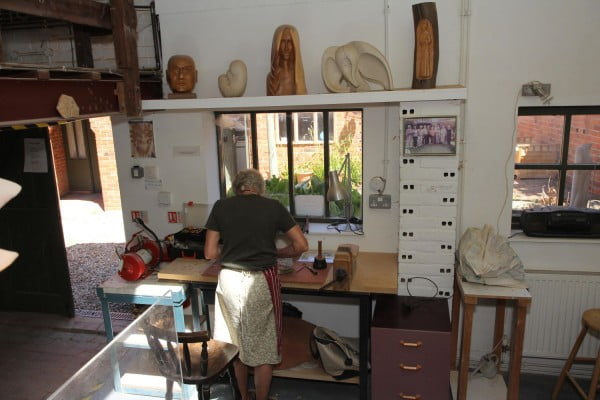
584	139
539	139
272	155
235	145
309	188
582	189
71	141
535	188
347	139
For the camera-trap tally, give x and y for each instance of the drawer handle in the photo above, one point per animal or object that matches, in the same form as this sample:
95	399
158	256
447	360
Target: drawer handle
409	397
410	367
418	343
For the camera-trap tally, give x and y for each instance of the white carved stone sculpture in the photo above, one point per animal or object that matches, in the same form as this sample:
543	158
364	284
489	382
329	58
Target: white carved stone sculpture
353	67
233	82
8	190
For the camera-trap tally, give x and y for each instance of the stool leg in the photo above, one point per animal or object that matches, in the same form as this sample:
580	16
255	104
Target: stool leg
595	376
568	363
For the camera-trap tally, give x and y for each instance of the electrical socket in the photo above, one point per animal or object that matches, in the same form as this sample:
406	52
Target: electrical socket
528	89
380	201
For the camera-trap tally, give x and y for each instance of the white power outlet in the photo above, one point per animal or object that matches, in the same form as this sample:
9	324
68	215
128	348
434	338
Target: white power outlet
380	201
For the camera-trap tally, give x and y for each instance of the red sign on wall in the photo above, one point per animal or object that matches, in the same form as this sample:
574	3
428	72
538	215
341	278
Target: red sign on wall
174	217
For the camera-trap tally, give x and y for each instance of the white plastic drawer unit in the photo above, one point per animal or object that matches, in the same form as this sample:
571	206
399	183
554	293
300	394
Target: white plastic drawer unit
427	187
428	246
408	211
426	286
422	257
428	199
413	233
443	270
442	223
441	169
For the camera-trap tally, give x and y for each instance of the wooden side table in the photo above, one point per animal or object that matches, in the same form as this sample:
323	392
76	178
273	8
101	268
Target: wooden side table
469	295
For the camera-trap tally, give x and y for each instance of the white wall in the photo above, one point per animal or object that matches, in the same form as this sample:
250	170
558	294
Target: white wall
509	43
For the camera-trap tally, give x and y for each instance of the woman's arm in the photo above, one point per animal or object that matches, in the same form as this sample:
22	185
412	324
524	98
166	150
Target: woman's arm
211	245
297	246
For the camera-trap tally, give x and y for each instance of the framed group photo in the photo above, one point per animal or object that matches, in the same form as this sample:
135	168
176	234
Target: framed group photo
429	135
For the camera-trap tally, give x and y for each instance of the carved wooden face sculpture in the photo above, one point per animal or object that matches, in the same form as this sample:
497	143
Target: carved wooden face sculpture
181	74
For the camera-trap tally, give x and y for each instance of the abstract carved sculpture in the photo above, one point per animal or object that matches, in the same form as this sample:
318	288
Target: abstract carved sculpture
233	82
426	45
287	73
350	68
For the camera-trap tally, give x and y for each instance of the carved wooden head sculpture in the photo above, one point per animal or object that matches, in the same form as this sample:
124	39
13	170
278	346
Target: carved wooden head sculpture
181	74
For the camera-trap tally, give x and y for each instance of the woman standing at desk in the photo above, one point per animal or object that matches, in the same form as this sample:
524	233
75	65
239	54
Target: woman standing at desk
248	297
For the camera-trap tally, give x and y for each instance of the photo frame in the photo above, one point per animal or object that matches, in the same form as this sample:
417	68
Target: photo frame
424	136
141	135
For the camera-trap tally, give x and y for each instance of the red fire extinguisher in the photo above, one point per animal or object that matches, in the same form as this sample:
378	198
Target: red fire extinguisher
141	255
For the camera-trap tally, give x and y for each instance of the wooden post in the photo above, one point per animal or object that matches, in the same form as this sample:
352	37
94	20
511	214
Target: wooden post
124	22
426	54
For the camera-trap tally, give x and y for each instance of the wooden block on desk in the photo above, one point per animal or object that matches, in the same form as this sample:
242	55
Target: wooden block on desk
184	269
343	260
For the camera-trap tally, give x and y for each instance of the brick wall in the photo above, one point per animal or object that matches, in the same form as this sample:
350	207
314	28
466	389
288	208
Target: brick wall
102	129
60	159
539	140
346	126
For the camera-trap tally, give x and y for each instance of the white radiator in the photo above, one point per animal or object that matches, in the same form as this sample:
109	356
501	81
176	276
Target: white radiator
554	319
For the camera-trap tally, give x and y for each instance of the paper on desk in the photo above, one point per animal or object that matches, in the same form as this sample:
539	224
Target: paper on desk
309	256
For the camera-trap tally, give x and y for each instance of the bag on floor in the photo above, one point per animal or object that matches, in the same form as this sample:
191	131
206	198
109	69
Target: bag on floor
339	356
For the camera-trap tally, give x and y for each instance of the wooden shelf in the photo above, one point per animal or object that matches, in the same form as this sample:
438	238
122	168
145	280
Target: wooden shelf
309	101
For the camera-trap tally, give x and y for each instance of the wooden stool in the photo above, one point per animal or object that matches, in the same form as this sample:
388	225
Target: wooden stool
591	321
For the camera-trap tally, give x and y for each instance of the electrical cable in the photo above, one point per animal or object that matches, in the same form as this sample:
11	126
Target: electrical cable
511	155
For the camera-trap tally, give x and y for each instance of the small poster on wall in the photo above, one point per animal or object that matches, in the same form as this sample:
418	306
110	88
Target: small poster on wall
142	139
429	136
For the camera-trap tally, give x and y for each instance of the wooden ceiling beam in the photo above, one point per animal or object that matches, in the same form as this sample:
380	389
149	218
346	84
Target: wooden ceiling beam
82	12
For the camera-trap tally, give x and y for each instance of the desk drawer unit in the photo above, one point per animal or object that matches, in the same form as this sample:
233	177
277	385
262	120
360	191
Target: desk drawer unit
410	349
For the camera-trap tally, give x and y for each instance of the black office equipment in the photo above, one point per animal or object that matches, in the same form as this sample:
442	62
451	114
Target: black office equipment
556	221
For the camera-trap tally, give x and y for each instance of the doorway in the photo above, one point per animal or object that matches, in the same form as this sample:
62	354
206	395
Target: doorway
90	209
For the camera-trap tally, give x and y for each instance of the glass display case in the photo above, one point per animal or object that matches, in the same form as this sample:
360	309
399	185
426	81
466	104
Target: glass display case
137	363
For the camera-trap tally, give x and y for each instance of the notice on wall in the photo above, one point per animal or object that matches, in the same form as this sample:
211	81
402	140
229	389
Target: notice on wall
35	156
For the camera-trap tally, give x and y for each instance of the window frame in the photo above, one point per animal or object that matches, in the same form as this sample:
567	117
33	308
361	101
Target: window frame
563	166
289	143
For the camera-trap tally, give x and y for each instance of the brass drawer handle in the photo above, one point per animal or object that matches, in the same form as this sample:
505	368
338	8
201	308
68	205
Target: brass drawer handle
409	397
410	367
418	343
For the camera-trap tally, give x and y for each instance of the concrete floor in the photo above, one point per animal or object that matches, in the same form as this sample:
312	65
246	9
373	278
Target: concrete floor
41	351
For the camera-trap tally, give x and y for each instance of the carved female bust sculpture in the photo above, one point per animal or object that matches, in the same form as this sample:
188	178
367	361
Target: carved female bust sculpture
181	74
287	73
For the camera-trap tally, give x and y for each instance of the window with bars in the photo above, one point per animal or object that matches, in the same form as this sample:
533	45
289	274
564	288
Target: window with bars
557	158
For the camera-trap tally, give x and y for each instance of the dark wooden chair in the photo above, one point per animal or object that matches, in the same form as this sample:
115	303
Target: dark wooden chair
195	358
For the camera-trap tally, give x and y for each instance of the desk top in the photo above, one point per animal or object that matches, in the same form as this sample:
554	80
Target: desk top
149	286
375	273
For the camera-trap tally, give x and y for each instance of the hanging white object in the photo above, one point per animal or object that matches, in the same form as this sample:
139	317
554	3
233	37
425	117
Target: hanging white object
8	190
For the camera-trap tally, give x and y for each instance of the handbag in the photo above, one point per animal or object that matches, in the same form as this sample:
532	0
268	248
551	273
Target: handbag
339	356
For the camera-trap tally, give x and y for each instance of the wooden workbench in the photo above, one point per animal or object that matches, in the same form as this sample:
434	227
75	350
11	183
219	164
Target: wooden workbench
375	273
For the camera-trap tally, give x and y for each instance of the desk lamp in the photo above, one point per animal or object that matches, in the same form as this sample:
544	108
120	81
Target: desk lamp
342	191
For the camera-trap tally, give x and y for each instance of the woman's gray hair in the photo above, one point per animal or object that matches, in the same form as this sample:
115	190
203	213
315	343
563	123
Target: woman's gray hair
249	179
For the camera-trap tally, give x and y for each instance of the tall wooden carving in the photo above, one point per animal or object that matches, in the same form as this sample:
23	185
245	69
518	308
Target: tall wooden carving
426	45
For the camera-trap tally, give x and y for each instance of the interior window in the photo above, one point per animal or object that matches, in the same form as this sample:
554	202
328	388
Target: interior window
295	152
